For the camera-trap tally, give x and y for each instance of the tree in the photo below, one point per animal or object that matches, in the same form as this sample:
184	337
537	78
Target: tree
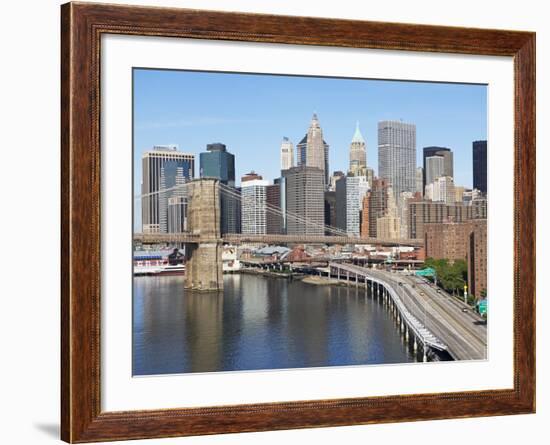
451	277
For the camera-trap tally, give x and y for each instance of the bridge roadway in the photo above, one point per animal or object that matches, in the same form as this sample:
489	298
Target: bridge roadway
464	333
238	238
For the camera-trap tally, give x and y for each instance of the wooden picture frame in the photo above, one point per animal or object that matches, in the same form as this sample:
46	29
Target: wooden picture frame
82	25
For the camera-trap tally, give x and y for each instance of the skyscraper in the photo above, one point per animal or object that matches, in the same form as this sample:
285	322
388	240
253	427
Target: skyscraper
313	151
434	168
388	226
448	168
350	192
287	154
218	163
253	207
369	172
340	196
403	211
171	180
480	165
378	203
304	193
177	214
365	232
420	180
274	221
330	208
397	155
336	176
166	162
357	152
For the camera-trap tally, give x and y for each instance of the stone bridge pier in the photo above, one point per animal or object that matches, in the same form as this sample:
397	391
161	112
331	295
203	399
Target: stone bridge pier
203	270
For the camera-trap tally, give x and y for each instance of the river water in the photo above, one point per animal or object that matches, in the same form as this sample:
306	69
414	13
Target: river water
258	323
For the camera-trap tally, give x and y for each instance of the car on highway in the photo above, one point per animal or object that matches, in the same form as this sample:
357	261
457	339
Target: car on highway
400	283
464	309
421	294
438	291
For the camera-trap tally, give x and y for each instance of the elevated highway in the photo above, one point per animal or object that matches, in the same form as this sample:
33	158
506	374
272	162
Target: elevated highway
463	331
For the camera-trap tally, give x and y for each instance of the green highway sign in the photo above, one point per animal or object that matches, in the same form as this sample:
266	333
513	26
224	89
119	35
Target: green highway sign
427	272
482	307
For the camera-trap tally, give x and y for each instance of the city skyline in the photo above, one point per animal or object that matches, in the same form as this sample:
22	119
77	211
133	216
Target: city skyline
171	107
277	195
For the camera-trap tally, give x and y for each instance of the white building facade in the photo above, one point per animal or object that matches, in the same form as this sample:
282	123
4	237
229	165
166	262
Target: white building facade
253	207
444	190
357	188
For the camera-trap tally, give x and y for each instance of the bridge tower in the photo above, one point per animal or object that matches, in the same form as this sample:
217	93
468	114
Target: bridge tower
204	259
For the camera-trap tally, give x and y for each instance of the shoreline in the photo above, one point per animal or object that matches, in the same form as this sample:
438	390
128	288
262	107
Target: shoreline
314	280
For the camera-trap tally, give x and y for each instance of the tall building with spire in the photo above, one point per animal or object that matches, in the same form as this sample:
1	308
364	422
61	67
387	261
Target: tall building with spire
287	154
313	151
357	152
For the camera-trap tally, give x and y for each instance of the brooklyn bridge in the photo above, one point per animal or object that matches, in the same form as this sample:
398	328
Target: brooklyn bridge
204	241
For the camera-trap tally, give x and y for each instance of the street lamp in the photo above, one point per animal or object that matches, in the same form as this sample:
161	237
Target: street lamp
424	358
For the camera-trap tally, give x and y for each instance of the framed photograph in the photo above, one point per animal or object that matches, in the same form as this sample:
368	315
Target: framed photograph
274	222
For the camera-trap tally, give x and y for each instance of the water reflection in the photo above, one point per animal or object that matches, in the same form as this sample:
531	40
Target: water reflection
258	323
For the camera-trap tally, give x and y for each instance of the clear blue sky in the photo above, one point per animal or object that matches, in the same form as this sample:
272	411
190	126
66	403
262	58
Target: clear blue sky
251	113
